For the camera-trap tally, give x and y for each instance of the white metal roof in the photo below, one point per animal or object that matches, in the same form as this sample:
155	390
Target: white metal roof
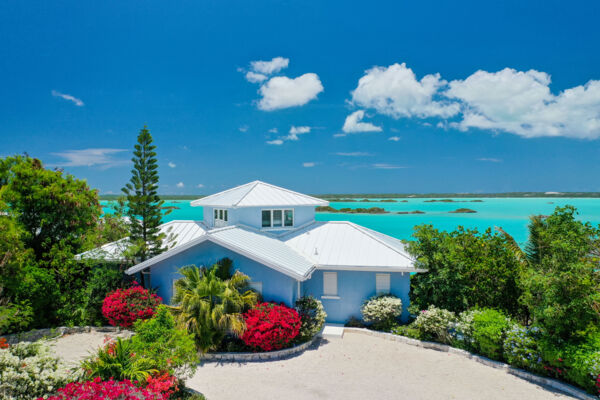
344	245
258	194
176	232
248	242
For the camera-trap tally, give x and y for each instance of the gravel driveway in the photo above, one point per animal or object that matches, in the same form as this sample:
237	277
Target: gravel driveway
364	367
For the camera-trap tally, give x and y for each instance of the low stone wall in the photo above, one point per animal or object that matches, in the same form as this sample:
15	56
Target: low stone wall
50	333
540	380
271	355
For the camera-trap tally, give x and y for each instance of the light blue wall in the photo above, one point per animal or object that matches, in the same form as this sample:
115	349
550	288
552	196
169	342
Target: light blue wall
354	287
276	286
252	216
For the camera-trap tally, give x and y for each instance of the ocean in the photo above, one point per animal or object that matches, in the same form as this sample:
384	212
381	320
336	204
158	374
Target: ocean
511	214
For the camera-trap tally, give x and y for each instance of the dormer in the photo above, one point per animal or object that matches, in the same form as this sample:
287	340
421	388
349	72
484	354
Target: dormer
259	205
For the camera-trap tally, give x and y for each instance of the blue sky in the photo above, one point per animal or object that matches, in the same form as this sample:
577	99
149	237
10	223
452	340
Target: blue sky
394	96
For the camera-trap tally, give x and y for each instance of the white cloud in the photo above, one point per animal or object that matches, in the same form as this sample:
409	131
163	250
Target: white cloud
276	142
253	77
102	158
354	154
309	164
180	185
283	92
75	100
396	92
394	138
171	164
494	160
199	186
243	128
297	130
270	67
522	103
386	166
353	123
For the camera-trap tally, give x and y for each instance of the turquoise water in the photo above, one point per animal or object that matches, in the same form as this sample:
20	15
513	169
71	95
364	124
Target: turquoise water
509	213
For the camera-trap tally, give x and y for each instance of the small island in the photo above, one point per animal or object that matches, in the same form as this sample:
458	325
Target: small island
477	201
463	211
439	201
372	210
387	201
411	212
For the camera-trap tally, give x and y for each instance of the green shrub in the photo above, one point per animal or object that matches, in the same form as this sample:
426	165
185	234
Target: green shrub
462	331
170	348
583	363
408	331
489	330
103	280
521	348
15	317
434	324
312	315
382	311
29	371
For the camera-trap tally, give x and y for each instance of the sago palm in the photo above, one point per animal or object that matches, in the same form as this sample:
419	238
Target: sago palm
210	307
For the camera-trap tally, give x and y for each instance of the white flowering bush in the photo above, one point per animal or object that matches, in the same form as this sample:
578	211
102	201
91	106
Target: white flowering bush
435	324
462	330
382	311
30	370
312	314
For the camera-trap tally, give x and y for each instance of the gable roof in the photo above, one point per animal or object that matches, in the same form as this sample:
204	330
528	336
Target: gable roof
177	233
345	245
258	194
248	242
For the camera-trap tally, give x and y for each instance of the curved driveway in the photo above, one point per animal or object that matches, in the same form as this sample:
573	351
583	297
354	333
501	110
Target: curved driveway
360	367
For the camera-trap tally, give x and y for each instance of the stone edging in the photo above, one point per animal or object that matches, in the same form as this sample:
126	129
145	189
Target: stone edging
271	355
51	333
540	380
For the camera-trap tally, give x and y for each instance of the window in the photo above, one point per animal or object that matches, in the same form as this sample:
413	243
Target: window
257	286
221	216
330	284
266	218
382	283
277	218
288	218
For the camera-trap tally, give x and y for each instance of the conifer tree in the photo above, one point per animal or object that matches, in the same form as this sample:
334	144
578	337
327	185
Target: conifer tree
144	205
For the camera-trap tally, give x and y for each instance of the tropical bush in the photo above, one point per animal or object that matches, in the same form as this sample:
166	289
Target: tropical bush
382	311
270	326
312	317
465	269
462	330
210	307
117	360
123	307
30	370
172	349
102	281
434	324
489	330
99	389
521	348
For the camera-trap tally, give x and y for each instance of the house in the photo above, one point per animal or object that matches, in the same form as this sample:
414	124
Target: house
272	236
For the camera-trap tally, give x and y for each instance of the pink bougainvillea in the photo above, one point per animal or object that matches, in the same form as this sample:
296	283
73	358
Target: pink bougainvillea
270	326
107	390
125	306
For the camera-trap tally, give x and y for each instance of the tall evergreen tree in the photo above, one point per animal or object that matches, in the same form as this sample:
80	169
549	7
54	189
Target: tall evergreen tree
144	205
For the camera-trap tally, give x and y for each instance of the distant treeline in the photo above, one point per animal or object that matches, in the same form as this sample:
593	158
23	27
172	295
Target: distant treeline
363	196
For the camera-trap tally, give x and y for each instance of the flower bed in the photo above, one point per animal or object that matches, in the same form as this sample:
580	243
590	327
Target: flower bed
125	306
270	326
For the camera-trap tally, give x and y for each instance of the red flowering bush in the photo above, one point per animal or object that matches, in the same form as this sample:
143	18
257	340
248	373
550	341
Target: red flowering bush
125	306
3	343
106	390
165	384
270	326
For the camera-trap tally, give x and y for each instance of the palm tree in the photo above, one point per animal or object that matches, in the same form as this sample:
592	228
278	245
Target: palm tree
210	307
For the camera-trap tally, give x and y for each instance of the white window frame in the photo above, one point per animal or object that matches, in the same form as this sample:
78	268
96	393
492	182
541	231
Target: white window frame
385	286
332	279
279	227
221	216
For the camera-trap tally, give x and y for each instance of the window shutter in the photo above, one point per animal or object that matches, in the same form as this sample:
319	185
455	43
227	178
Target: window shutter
257	286
330	284
382	283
